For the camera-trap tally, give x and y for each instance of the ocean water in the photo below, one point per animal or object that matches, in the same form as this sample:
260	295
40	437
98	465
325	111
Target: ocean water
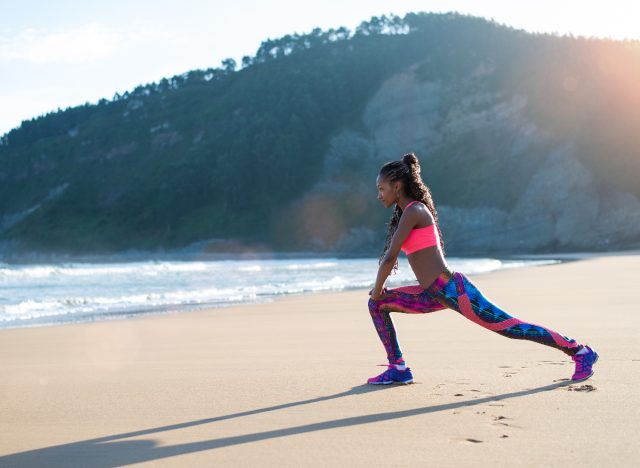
47	294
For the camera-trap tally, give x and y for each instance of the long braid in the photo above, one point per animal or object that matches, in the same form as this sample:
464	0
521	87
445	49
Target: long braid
418	190
392	225
407	170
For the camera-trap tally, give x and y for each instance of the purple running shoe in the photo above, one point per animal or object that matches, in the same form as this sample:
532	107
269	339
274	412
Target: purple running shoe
584	362
392	375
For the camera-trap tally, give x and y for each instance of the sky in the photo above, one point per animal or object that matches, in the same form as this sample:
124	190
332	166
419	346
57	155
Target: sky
68	52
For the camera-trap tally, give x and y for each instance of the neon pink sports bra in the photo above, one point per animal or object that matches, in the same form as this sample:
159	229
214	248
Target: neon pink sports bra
420	238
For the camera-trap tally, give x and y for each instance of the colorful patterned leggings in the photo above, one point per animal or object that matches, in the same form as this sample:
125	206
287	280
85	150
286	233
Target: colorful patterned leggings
455	291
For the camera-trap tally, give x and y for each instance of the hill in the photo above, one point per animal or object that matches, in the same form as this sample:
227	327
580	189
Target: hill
528	141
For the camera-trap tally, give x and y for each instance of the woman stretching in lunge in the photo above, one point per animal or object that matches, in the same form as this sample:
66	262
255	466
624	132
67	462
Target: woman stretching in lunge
413	228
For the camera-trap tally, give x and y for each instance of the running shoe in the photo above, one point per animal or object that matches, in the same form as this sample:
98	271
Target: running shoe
392	375
584	362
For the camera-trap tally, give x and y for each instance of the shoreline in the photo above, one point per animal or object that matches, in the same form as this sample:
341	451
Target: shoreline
277	383
145	256
571	256
262	297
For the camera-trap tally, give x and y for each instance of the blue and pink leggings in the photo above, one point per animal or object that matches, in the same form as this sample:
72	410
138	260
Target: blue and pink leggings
455	291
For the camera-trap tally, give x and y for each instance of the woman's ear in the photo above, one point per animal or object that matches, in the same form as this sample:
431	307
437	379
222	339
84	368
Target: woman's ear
397	185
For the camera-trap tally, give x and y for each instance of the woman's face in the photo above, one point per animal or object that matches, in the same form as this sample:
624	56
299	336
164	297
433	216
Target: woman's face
386	192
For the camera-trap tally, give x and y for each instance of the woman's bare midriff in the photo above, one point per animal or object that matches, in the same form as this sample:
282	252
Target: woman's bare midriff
427	264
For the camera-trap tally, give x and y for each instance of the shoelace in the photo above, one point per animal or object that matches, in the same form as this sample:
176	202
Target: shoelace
385	374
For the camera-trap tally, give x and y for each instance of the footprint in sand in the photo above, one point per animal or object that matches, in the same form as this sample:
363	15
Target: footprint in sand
581	388
508	373
466	440
475	441
483	392
500	422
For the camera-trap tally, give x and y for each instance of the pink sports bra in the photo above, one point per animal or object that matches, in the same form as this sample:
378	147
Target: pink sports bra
420	238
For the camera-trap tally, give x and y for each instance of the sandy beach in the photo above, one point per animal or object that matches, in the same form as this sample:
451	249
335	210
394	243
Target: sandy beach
283	383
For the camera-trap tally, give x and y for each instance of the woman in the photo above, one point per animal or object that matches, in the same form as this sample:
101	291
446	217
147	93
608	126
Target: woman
414	229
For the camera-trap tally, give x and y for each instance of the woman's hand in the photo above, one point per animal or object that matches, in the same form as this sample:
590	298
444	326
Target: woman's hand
377	295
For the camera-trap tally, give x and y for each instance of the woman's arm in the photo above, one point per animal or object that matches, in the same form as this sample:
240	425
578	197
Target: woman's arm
406	223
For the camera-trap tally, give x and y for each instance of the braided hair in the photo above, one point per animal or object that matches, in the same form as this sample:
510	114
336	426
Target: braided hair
408	171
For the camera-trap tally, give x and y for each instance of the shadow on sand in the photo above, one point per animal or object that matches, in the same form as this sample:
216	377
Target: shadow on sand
113	451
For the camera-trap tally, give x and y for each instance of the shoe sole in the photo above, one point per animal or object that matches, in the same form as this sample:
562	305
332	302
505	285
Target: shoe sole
406	382
583	378
592	372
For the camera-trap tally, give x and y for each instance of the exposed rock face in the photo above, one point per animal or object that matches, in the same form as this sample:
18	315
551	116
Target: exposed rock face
564	208
560	209
349	152
403	115
528	190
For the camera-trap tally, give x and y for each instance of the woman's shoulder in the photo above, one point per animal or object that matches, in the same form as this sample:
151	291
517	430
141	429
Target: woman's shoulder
421	212
416	204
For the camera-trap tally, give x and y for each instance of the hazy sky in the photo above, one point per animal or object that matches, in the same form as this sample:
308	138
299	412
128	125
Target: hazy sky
67	52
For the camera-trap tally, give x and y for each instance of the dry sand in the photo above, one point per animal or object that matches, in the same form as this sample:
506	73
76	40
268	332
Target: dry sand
283	383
